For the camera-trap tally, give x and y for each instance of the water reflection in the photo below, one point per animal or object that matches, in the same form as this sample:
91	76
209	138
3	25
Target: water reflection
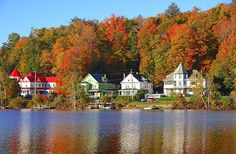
130	131
173	137
125	131
24	134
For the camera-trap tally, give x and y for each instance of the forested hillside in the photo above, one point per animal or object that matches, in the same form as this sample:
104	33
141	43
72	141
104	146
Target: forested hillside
154	46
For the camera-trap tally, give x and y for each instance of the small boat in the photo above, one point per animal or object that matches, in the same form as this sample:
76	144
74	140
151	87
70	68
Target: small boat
44	107
112	107
152	108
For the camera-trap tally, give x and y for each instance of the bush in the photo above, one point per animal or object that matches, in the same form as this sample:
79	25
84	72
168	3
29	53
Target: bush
59	102
140	94
18	103
122	101
180	102
227	103
106	99
215	96
38	100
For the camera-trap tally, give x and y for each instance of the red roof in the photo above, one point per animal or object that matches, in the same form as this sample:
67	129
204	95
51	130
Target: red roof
15	73
33	74
51	79
32	79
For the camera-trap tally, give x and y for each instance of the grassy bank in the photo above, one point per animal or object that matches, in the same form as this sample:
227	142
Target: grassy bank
163	102
60	102
223	102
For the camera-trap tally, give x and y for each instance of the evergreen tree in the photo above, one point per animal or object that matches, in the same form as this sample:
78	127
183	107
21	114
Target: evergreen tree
172	10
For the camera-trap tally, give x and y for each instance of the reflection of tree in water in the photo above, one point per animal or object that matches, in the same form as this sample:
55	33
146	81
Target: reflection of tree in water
122	132
108	132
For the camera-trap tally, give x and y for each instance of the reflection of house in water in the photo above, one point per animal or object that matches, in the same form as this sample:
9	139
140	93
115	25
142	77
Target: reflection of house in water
173	136
24	137
91	136
130	131
195	140
152	134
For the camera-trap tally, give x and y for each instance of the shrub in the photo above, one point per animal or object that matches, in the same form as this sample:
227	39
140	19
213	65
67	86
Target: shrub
18	103
140	94
180	102
227	103
59	101
122	101
106	99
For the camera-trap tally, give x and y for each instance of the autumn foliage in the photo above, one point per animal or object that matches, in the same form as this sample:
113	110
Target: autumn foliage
203	40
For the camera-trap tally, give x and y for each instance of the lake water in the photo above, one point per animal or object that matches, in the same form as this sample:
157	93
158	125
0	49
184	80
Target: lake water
123	131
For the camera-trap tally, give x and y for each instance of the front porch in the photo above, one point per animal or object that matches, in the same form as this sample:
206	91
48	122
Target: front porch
128	92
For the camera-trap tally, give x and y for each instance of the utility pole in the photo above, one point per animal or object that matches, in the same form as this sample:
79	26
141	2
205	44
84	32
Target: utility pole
208	90
35	83
132	86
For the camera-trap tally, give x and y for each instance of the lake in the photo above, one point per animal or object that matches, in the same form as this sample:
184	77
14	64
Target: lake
122	131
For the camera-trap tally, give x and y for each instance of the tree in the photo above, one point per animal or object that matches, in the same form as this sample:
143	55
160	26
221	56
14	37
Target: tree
172	10
3	86
140	95
222	71
12	39
197	81
13	88
9	88
145	45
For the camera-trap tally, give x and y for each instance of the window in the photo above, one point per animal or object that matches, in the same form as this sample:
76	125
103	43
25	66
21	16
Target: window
179	76
185	83
180	83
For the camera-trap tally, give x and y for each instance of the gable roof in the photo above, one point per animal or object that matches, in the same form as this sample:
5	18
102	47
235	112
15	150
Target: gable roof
180	69
32	74
15	73
169	77
138	77
196	75
38	79
100	78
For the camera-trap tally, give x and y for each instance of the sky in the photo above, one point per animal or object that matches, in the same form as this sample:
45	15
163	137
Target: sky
21	15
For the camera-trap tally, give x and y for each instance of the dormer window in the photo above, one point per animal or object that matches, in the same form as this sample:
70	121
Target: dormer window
104	79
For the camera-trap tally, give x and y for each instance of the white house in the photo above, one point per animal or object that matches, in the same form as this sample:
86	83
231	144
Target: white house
34	83
134	82
181	81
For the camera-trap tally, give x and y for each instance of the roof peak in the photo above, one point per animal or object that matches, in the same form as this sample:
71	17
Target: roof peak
180	69
15	73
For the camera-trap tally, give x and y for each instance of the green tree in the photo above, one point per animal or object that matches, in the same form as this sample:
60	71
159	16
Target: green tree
172	10
140	94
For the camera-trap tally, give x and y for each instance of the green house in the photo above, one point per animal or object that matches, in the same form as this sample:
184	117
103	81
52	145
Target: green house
97	85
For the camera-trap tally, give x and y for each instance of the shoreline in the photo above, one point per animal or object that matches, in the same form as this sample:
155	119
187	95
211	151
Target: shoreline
160	108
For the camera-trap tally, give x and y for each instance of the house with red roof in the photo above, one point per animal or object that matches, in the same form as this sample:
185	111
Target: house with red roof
34	83
15	75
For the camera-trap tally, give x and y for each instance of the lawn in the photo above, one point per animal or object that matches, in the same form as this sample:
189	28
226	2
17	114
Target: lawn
160	101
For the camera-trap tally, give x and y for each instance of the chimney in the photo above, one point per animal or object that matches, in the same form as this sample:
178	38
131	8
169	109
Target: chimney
123	75
137	73
105	75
